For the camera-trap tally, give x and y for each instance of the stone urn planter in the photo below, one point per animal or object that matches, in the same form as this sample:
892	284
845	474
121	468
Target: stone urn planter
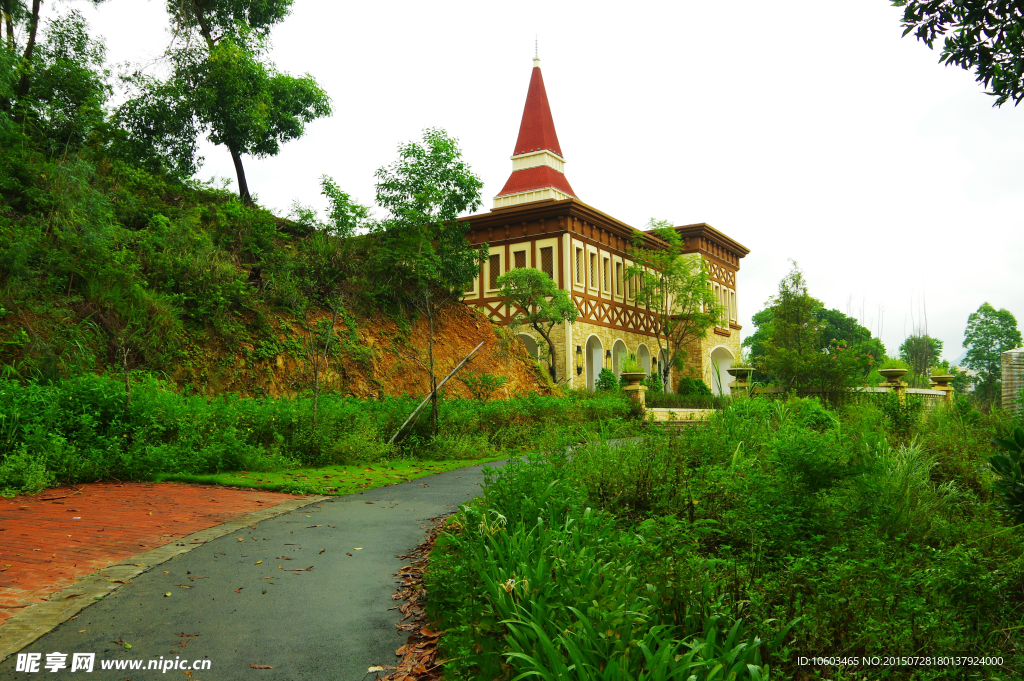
892	375
633	377
741	374
942	380
634	389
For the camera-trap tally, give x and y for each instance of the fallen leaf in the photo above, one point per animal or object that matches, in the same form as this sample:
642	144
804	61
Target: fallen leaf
167	594
184	635
264	591
258	562
73	596
239	589
299	569
260	666
241	539
167	572
321	551
358	548
347	553
184	586
283	558
81	631
311	526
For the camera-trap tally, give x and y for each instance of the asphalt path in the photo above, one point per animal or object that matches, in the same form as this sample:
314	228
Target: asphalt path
247	598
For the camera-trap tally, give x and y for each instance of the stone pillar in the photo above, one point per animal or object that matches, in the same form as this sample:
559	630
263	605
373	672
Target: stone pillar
1013	379
636	394
897	386
739	388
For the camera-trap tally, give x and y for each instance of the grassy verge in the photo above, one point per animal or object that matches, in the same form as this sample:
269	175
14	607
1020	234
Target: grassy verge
329	480
780	529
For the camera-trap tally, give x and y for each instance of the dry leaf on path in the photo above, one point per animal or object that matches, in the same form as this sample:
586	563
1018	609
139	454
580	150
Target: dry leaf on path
260	666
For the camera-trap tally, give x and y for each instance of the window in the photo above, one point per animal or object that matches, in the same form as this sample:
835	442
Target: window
606	272
593	270
579	265
732	308
547	261
494	265
520	257
618	278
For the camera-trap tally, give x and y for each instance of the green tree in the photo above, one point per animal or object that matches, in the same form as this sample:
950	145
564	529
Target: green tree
921	352
540	303
56	84
837	333
676	288
424	257
222	85
984	35
805	346
989	333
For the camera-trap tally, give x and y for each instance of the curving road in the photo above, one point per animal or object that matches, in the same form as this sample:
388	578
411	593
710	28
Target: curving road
247	598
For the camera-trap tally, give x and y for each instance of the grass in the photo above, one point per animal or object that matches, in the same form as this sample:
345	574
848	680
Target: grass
328	480
780	529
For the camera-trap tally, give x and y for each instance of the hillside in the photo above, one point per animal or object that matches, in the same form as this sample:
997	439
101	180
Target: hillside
106	268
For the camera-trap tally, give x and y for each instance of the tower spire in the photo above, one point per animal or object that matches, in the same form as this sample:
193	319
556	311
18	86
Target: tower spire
538	167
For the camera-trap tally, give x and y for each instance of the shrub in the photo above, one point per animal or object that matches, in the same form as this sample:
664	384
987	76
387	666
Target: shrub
692	386
606	380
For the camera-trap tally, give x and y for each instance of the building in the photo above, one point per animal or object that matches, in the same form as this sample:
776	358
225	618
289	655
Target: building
538	221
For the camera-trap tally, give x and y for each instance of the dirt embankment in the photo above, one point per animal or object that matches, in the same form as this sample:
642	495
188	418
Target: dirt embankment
367	357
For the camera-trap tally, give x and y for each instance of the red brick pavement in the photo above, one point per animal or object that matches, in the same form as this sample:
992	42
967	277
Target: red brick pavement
46	542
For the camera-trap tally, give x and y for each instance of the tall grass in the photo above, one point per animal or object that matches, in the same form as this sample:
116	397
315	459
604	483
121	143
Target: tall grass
83	429
618	559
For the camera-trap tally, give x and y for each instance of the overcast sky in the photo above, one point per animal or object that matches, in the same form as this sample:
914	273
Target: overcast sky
804	130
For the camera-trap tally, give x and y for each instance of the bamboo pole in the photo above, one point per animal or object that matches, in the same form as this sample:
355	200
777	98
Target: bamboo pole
431	393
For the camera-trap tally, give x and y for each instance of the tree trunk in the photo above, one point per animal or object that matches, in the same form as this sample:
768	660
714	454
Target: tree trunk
552	370
127	381
24	84
243	187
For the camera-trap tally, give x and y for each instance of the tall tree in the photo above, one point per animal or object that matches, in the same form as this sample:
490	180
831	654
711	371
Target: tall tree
541	304
986	36
803	345
424	255
921	352
676	288
19	60
989	333
221	84
836	333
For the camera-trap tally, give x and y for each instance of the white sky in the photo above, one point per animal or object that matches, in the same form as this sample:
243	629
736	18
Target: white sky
802	129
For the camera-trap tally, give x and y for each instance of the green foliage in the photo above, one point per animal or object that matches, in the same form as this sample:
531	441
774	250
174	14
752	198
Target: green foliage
800	344
921	353
989	333
894	363
540	303
629	363
692	386
676	288
903	414
220	84
606	380
83	429
615	558
980	35
1010	485
482	385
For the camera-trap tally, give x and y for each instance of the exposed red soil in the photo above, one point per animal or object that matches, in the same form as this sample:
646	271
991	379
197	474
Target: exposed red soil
49	539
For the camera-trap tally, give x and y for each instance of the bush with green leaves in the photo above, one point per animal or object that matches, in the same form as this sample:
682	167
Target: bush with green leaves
606	381
614	559
692	386
83	429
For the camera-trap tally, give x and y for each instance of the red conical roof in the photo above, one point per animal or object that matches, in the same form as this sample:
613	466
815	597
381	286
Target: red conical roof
537	131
